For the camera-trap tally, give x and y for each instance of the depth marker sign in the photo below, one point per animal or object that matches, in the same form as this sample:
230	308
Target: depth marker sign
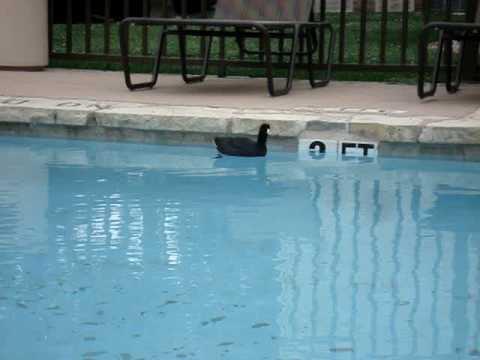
333	150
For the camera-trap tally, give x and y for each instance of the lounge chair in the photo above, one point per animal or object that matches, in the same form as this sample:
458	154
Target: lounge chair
448	32
241	19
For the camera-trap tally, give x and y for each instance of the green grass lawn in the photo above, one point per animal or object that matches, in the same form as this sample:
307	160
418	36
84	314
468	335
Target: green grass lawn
351	41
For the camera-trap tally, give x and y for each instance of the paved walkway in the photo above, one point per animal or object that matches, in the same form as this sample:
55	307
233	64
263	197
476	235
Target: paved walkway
237	93
97	104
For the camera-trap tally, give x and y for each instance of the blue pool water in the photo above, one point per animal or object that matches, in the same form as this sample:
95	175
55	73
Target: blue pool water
129	252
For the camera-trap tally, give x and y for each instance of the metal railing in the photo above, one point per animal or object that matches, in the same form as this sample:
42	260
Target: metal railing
373	35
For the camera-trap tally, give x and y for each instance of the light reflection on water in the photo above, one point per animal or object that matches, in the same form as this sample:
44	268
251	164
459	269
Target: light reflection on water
128	251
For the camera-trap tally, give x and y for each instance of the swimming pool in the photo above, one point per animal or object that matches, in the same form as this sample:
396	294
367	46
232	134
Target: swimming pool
124	251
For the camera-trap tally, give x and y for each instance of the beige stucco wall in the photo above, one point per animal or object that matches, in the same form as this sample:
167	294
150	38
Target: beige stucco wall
23	33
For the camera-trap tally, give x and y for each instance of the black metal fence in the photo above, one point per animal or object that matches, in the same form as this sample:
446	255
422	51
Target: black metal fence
377	35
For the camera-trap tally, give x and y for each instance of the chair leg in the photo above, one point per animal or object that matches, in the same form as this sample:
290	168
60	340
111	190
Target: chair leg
310	46
183	59
314	44
158	58
124	35
422	59
269	68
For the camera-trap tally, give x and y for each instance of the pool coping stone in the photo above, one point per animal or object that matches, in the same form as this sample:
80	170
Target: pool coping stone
305	122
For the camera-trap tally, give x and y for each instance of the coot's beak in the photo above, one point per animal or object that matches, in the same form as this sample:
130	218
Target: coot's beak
268	131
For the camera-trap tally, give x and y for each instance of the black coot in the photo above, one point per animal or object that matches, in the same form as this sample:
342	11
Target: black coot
242	146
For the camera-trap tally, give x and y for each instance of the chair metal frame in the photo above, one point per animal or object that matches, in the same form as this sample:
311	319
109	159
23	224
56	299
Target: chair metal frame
262	29
447	33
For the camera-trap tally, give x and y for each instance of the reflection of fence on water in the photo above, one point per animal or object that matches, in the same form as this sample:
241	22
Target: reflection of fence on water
379	281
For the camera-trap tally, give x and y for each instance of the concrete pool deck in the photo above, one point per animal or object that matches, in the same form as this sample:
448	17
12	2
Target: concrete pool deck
96	104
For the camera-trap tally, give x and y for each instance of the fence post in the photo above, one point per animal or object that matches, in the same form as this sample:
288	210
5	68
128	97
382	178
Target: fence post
471	49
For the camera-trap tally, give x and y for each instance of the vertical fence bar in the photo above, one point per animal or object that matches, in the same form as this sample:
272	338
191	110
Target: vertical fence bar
88	26
165	8
363	31
145	29
404	38
69	27
426	11
203	15
471	49
383	32
321	35
448	10
222	69
261	45
470	10
184	8
241	54
50	27
341	35
164	14
281	45
301	48
106	28
126	8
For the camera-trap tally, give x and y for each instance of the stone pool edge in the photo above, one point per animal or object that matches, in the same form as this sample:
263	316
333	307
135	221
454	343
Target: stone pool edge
396	132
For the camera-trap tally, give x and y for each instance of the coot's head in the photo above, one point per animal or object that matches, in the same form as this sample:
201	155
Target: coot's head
263	134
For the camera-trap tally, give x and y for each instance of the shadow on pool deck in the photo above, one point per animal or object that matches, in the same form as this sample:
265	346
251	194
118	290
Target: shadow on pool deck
238	93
